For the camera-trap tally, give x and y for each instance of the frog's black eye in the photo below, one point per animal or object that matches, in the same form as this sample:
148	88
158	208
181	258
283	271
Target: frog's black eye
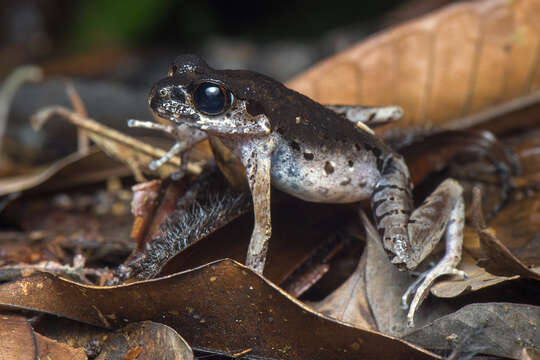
211	98
172	70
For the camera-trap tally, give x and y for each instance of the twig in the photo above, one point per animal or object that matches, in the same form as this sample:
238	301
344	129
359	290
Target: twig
92	126
22	74
83	142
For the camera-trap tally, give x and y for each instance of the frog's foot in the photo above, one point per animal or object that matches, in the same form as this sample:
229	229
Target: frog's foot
446	266
420	288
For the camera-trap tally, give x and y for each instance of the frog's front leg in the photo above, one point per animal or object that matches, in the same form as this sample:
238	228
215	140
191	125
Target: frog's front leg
371	117
411	235
185	137
256	158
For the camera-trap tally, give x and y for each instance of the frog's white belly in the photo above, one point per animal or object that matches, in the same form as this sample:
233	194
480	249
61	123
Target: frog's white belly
324	175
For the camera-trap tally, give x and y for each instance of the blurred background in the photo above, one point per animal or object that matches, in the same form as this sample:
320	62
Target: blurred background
115	50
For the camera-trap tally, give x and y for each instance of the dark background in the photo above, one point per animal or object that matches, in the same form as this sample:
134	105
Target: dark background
114	51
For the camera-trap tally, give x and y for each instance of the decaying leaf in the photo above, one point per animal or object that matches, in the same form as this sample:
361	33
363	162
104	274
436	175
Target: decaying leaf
74	169
455	62
500	261
18	340
499	329
349	303
145	340
220	298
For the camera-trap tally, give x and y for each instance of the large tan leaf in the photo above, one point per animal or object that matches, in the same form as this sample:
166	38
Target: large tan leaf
225	307
458	61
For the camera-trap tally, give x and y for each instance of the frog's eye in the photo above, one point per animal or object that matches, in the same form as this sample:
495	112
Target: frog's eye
172	70
211	98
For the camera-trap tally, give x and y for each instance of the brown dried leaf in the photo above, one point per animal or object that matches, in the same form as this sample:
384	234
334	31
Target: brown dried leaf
458	61
19	341
499	329
500	261
220	298
349	302
72	170
145	340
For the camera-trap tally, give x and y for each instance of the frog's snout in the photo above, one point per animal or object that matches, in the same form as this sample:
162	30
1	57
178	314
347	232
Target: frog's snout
162	93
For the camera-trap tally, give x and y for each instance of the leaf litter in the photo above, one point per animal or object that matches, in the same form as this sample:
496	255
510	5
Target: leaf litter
199	303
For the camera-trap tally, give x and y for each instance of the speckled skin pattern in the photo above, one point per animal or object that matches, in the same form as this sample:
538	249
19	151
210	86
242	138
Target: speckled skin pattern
316	154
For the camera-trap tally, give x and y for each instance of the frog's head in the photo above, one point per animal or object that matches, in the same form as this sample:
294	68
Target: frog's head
193	93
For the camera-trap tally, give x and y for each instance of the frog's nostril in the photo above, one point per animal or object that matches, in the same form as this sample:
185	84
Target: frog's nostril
163	92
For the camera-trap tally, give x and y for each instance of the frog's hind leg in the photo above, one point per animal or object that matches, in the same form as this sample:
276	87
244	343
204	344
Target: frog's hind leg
442	213
368	117
410	235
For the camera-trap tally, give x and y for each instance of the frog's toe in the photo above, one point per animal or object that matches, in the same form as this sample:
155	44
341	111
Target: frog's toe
420	288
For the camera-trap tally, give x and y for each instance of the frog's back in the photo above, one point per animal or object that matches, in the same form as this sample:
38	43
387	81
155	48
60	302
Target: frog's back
320	156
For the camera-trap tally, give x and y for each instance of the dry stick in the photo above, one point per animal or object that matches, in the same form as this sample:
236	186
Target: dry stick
83	142
13	82
91	125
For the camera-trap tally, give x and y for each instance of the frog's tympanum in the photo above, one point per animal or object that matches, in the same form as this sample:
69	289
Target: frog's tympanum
313	152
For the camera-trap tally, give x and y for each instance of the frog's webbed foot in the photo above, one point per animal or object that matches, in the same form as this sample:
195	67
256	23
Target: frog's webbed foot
421	286
443	213
368	117
186	137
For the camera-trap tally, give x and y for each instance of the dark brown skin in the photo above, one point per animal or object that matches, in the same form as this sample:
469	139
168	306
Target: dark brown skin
312	152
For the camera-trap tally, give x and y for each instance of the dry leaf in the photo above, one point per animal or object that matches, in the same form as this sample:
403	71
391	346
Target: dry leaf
500	261
349	302
74	169
499	329
220	298
457	61
18	340
145	340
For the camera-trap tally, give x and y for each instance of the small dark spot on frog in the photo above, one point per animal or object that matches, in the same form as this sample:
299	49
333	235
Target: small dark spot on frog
346	181
295	145
371	117
328	168
280	131
308	156
362	183
350	163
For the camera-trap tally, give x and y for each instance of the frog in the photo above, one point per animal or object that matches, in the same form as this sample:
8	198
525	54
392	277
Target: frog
318	153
